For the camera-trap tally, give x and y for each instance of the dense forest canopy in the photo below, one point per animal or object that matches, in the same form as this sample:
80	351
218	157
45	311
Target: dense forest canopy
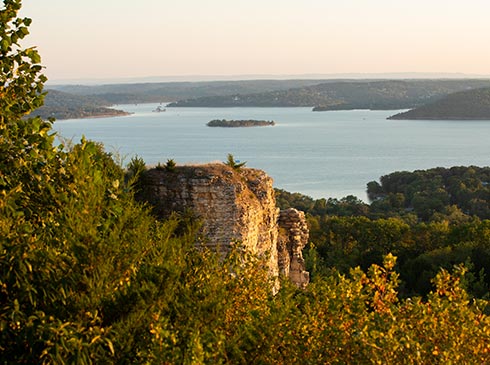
89	276
429	218
434	192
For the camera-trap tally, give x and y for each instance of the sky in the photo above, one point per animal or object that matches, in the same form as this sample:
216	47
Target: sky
103	39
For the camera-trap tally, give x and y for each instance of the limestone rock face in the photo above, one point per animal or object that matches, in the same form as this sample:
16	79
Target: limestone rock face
233	206
293	237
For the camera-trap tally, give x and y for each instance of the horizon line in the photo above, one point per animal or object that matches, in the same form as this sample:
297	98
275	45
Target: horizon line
252	77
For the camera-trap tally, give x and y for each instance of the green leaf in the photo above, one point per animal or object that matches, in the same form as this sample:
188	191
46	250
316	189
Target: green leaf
5	44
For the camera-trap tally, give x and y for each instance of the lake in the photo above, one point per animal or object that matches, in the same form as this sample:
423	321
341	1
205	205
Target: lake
320	154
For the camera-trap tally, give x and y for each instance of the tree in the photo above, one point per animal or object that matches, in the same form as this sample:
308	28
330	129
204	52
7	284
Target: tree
170	166
21	81
71	236
235	165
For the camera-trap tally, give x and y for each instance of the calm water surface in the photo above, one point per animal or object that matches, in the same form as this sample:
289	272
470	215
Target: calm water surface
321	154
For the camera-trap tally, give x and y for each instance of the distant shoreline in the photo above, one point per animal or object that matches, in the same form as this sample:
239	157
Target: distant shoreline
394	117
108	115
98	116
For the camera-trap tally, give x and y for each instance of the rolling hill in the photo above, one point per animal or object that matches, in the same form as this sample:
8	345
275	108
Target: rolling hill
172	91
78	101
343	95
62	105
464	105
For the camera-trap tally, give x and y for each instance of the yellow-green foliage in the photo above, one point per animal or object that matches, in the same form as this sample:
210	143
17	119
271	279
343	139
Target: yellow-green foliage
359	320
88	276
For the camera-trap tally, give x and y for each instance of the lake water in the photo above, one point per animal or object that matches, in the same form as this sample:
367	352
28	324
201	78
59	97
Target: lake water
321	154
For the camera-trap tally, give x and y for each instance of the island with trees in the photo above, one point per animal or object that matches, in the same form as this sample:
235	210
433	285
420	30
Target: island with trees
240	123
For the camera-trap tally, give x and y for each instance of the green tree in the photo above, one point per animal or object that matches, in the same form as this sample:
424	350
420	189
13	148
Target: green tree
230	161
21	80
170	165
72	238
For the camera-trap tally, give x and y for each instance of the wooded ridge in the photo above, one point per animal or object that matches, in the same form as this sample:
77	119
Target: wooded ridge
463	105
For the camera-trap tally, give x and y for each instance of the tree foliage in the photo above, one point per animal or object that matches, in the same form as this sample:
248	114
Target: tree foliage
431	219
21	81
430	193
88	276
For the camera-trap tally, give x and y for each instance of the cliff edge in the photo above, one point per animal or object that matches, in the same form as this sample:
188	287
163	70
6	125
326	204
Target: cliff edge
233	206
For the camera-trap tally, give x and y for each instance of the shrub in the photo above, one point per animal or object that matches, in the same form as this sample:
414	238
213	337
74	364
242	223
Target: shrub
234	164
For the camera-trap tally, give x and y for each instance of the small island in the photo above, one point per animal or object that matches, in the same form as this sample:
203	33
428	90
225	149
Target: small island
240	123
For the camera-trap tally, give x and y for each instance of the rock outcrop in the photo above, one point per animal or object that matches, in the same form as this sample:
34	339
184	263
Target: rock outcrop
233	206
293	237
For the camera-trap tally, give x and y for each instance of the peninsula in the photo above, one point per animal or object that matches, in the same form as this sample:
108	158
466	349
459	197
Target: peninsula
240	123
464	105
61	105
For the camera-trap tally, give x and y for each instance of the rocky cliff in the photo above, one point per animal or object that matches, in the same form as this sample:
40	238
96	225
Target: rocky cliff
293	237
233	206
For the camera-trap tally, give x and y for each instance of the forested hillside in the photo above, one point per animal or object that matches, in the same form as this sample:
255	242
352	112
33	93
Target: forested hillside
429	219
429	193
61	105
429	97
89	276
464	105
78	101
344	95
320	94
172	91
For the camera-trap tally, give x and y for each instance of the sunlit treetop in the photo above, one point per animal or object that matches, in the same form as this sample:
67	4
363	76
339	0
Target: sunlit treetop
21	81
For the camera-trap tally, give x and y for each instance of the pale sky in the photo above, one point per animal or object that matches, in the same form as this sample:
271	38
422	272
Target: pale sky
138	38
